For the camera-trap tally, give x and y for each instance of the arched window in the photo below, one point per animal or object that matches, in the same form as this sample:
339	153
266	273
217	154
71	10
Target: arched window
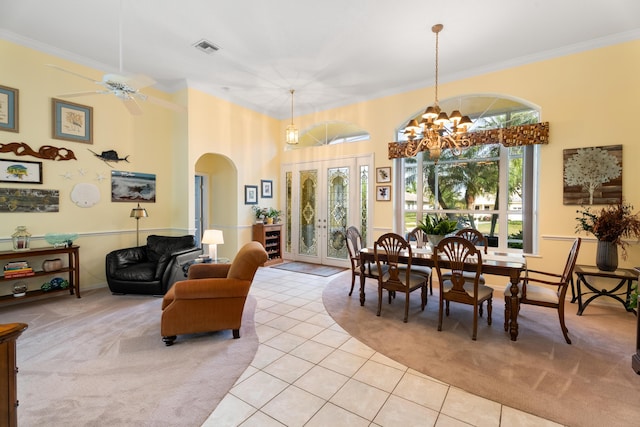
330	133
489	187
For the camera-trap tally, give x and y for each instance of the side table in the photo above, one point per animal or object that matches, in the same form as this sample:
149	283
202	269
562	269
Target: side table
186	265
624	275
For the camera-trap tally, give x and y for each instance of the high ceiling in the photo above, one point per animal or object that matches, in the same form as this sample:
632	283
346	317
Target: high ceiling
332	52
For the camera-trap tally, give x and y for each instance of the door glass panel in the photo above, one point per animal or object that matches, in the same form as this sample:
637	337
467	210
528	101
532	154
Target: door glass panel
288	179
308	212
364	202
337	211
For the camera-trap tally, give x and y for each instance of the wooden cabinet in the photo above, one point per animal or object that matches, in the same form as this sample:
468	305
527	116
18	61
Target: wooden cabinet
9	333
270	235
32	255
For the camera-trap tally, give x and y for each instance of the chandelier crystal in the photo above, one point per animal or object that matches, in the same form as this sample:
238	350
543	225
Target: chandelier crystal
437	131
291	133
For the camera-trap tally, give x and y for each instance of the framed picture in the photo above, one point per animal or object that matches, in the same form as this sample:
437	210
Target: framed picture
250	194
266	189
592	175
133	187
383	193
34	200
71	122
20	171
383	174
8	109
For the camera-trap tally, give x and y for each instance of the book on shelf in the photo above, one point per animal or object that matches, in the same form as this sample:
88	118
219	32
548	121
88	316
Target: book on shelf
11	274
16	265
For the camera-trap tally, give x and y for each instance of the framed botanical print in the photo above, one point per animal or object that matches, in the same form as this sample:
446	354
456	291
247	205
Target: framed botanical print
383	174
71	122
266	189
250	194
383	193
8	109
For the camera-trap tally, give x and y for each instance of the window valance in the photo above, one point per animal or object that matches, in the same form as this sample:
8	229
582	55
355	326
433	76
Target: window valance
509	137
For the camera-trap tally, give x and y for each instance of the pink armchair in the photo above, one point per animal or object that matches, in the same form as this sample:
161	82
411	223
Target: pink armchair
213	296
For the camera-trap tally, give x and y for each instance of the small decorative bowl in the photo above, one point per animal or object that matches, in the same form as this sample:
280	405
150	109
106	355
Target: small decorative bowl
60	239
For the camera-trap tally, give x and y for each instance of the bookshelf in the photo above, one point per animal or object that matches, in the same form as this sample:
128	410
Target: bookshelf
72	268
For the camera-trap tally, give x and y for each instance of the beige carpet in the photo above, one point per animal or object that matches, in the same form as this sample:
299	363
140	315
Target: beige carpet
588	383
100	361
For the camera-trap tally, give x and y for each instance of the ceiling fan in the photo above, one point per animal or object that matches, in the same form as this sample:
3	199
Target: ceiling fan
125	87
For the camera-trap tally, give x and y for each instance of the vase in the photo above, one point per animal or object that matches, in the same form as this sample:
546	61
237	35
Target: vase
607	256
434	239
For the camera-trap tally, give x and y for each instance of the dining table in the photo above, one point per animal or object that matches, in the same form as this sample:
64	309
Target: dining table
496	263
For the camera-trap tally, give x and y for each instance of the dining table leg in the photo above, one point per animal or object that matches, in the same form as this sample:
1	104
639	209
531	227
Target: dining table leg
362	279
515	306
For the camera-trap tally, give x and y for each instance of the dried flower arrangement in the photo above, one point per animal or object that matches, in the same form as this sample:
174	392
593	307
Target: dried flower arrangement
612	224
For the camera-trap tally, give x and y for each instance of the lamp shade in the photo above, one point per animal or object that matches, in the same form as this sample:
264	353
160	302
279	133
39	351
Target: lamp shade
212	237
138	212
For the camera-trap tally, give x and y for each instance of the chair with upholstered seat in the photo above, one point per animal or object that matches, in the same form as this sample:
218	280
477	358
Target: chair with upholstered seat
451	254
545	290
397	277
213	296
421	240
354	245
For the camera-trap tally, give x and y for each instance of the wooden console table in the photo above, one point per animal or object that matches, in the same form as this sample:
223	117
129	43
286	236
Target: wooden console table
73	268
635	359
9	333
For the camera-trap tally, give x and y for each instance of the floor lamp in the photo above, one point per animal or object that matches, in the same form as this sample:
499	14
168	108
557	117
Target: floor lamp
138	213
213	238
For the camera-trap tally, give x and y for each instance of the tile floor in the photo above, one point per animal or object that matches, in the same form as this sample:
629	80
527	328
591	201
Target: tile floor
308	371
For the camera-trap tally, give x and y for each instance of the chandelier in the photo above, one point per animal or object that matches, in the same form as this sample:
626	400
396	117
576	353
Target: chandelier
437	131
291	134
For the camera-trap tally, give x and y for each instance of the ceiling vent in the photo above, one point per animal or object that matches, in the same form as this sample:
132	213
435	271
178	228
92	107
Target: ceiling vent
206	46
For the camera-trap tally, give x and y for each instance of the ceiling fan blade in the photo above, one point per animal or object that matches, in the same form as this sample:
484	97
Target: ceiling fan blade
140	81
91	92
132	106
71	72
165	104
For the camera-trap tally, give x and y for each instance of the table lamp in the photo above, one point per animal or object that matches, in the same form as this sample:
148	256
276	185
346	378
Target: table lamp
138	213
213	238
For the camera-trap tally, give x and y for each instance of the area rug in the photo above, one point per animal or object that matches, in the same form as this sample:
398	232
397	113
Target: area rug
588	383
308	268
99	360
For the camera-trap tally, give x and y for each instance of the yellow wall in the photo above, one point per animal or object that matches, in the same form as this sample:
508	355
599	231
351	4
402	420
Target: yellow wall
574	93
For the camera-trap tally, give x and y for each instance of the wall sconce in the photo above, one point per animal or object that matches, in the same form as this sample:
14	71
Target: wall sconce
213	238
138	213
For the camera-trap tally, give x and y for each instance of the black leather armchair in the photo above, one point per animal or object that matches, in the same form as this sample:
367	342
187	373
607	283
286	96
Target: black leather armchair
150	269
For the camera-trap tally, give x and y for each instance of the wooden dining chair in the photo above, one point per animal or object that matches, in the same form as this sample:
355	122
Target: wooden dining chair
421	240
397	277
451	254
545	290
474	236
354	245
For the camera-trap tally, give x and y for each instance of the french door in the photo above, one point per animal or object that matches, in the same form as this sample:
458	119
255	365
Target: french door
322	199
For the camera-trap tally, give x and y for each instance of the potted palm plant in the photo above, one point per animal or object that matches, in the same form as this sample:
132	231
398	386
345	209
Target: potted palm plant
610	226
436	227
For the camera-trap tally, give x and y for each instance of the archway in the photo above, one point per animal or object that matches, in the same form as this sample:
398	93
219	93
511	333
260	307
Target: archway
219	182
